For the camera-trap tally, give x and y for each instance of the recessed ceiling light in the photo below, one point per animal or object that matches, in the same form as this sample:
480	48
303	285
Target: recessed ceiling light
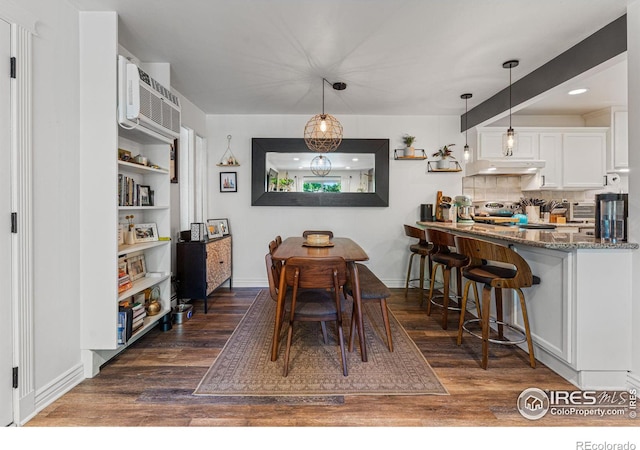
354	159
578	91
296	159
348	167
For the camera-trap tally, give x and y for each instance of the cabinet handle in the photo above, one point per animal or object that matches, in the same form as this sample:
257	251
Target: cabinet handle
221	262
544	180
605	181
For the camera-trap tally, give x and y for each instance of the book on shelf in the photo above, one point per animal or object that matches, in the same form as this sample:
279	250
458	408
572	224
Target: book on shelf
125	321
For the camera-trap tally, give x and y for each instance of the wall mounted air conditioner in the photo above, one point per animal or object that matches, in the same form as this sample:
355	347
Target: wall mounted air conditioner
146	105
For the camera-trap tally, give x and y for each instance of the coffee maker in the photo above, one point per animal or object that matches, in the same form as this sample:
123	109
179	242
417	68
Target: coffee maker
612	211
464	209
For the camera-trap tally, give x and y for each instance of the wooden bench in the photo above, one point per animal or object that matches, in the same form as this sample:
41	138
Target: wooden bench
371	289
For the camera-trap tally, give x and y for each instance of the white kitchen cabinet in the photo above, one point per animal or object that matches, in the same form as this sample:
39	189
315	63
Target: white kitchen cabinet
616	119
584	160
574	159
551	153
620	141
491	142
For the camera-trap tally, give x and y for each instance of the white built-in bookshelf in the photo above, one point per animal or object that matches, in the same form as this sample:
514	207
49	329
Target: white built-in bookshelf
102	208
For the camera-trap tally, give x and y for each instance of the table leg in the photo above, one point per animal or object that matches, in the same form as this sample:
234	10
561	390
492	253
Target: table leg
358	301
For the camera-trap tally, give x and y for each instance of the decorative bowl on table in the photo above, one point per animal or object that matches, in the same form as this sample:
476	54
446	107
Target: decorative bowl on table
318	240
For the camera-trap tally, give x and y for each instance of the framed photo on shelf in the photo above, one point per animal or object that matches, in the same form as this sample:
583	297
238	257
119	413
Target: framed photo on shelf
173	162
145	232
228	182
222	225
121	234
136	267
144	195
213	229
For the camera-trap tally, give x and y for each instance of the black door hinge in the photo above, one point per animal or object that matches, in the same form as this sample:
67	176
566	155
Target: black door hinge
14	222
13	67
15	378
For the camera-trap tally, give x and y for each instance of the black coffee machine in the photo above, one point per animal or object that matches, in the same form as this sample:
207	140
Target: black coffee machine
612	211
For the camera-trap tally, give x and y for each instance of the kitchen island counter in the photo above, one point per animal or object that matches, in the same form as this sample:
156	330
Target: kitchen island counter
552	239
580	313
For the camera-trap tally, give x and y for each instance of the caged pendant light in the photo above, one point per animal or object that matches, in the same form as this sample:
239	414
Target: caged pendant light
323	132
320	166
466	98
511	135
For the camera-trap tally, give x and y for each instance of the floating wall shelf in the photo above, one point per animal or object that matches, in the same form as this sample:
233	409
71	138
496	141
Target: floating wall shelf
228	159
433	168
419	155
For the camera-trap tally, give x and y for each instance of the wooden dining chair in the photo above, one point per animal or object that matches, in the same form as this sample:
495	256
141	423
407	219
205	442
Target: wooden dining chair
316	296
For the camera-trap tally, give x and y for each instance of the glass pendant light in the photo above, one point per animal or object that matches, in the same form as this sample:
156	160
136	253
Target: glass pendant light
467	151
511	135
323	132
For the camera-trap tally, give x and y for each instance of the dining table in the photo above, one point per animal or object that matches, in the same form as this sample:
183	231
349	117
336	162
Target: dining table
344	247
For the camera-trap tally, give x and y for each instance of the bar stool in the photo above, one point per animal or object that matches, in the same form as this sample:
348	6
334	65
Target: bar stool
510	272
445	260
421	248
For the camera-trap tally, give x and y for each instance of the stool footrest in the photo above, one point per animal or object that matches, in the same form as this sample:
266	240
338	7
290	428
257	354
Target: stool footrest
441	297
496	341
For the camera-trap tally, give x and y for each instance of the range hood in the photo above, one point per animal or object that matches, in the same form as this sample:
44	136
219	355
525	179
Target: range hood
504	167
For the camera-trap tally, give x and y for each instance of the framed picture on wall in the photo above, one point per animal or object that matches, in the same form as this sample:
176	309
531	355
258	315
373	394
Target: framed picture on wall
228	182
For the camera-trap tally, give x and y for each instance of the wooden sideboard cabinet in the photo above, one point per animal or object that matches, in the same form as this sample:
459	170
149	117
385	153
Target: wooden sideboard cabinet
202	267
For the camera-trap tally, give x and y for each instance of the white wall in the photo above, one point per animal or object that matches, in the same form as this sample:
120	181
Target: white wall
378	230
633	58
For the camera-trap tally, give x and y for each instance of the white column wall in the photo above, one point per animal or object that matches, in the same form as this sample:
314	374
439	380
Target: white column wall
378	230
633	55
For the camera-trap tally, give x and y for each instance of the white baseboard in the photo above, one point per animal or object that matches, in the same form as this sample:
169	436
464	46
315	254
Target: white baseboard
57	388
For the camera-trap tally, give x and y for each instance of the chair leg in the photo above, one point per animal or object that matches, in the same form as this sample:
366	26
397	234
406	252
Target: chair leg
342	351
352	328
486	311
445	297
463	308
325	338
527	330
499	315
434	270
422	264
286	353
387	326
406	285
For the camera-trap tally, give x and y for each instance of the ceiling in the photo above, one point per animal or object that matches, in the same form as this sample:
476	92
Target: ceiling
411	57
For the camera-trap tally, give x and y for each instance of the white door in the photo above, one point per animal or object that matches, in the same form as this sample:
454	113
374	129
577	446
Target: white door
6	333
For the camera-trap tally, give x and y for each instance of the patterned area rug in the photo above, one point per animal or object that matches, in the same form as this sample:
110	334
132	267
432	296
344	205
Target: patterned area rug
244	367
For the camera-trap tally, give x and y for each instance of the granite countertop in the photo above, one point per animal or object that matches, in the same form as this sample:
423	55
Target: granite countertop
552	239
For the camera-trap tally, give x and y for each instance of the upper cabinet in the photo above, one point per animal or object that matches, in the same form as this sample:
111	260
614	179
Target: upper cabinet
491	142
575	159
616	119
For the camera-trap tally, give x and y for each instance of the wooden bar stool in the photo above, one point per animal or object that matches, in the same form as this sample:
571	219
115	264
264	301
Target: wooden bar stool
421	248
445	260
510	272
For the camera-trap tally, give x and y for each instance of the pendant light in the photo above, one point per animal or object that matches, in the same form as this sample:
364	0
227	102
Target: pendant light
323	132
320	166
466	98
511	135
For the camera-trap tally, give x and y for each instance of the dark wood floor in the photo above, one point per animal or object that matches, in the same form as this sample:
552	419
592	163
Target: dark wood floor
150	384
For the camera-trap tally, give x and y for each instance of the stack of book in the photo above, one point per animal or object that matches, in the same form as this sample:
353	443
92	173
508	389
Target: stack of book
125	324
139	313
124	282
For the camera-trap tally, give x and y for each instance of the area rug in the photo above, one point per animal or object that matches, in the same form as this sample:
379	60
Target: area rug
244	366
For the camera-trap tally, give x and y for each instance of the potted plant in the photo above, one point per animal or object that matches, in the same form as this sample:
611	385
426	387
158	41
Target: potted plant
408	142
444	153
285	184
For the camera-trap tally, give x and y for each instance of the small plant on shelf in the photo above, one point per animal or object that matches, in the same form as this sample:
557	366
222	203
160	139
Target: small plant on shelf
445	152
130	220
408	140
